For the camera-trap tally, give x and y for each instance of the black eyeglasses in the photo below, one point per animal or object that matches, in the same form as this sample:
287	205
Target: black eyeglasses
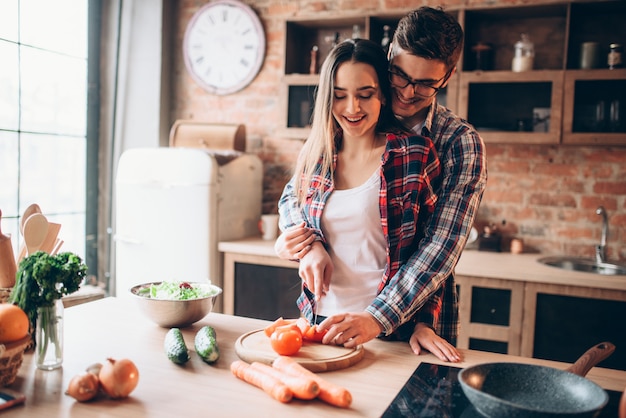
420	88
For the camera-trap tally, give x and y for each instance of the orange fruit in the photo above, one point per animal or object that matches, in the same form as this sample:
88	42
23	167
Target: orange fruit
13	323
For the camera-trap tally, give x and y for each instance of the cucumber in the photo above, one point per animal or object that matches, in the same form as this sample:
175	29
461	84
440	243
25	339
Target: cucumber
206	344
175	347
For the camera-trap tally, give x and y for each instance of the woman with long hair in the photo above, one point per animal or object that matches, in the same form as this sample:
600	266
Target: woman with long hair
365	186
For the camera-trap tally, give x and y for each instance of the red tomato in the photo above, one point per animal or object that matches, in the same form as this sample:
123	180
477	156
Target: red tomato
286	341
314	334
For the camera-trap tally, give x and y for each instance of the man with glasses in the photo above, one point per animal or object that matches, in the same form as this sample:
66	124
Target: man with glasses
425	49
423	55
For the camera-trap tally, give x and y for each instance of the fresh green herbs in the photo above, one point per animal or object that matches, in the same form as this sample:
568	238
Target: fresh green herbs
178	291
43	278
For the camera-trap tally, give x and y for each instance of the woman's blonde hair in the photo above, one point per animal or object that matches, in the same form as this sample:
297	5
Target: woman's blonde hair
325	136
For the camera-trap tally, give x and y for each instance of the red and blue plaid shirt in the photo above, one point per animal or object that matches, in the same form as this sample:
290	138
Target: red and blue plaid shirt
423	289
409	178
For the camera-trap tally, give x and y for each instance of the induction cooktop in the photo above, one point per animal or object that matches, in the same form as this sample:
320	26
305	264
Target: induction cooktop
433	391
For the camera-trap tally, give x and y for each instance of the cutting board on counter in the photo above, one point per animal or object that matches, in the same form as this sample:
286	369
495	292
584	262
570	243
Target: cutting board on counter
256	346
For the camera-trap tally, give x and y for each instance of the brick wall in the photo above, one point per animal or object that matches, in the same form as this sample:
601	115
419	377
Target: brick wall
546	195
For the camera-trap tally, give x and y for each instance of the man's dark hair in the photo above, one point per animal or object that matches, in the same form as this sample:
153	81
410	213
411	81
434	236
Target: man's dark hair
430	33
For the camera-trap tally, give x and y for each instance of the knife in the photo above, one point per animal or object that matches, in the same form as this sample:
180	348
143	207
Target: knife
314	307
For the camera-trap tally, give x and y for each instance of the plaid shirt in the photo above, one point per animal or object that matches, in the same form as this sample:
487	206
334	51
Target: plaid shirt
409	178
428	277
423	289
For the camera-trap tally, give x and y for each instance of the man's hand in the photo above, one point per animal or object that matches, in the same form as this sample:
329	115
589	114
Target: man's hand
316	269
294	243
425	337
350	329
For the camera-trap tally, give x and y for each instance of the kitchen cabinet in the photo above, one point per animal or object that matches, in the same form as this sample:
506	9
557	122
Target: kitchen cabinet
540	320
505	108
491	314
511	107
554	103
257	283
266	292
591	107
561	321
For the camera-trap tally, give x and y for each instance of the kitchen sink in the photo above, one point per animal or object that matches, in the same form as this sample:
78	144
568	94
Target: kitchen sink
587	265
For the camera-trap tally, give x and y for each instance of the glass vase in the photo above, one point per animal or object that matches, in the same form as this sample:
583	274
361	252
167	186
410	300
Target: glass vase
49	336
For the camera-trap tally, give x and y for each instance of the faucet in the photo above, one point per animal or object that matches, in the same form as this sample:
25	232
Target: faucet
601	249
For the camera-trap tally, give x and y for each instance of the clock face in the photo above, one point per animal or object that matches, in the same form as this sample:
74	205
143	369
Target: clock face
224	46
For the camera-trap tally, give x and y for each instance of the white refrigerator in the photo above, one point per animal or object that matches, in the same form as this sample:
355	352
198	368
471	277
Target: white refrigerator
173	206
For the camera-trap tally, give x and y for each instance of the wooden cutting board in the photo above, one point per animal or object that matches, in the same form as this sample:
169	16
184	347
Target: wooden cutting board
256	346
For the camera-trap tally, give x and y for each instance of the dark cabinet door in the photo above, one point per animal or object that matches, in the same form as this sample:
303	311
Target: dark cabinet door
266	292
567	326
490	307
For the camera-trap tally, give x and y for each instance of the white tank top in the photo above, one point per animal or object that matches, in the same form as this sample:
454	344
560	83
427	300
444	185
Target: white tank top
352	227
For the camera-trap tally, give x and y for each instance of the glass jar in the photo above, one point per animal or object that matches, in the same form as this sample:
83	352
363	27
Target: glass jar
589	55
524	54
483	56
49	336
614	59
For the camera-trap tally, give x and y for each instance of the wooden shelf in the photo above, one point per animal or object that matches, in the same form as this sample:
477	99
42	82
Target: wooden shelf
302	34
585	90
500	103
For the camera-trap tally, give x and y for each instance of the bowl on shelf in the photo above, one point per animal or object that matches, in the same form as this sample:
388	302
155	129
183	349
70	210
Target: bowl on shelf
179	313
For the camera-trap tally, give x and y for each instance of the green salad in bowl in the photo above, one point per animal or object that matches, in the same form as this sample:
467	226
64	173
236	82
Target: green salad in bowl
175	303
179	290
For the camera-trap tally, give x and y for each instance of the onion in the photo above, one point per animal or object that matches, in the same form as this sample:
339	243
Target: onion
83	387
118	378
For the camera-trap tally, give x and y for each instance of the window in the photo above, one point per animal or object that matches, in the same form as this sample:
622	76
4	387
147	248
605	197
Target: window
43	116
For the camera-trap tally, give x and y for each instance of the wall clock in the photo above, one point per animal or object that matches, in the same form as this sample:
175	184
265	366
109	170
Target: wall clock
224	46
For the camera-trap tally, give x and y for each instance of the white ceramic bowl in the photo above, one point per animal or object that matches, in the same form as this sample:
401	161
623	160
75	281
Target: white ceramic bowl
174	313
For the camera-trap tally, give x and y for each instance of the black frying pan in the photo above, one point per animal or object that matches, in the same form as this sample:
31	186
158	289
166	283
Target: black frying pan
511	390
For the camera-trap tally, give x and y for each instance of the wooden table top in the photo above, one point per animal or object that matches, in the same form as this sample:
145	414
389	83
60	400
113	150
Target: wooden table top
114	327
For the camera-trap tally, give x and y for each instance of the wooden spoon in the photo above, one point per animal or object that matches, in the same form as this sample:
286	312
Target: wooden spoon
50	241
8	268
34	208
35	231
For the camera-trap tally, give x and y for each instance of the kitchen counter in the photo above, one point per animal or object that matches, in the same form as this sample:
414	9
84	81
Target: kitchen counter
114	327
521	267
525	267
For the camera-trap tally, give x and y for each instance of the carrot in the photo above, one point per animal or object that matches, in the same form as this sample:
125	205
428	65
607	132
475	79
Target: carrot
272	386
277	323
329	392
302	387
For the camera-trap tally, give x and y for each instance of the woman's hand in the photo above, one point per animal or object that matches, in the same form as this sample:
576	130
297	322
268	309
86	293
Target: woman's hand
425	337
294	242
316	269
350	329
